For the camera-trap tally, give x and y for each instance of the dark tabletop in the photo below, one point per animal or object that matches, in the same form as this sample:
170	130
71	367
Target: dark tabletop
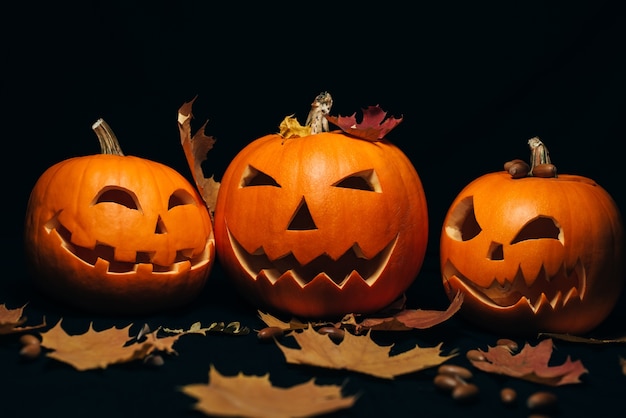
473	83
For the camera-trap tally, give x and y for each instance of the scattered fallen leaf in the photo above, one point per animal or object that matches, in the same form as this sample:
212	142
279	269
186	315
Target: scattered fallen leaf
12	319
99	349
371	128
585	340
254	396
393	318
196	149
622	364
359	354
406	319
272	321
531	364
234	328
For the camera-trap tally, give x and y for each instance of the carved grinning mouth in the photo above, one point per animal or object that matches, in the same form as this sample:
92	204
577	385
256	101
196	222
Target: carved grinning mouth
143	258
544	290
352	263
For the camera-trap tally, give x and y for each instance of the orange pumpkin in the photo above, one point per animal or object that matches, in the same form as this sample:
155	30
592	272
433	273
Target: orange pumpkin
321	225
117	234
533	253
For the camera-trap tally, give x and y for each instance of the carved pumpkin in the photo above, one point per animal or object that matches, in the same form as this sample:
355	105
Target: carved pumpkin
533	253
117	234
321	225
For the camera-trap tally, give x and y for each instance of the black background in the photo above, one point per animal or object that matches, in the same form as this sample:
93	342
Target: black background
473	81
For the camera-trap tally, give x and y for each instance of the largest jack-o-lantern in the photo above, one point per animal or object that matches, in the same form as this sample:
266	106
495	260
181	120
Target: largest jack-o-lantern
533	253
117	234
321	224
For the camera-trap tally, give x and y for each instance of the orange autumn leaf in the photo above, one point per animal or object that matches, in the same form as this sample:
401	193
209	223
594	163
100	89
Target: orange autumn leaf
196	148
254	396
99	349
360	354
11	321
531	363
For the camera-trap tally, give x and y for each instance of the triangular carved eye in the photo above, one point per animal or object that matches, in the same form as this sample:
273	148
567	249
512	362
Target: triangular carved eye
540	227
180	197
254	177
118	195
462	224
363	180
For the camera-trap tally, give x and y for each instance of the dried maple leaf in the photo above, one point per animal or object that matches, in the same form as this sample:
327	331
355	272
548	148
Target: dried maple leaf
360	354
406	319
12	319
371	128
99	349
531	364
196	149
254	396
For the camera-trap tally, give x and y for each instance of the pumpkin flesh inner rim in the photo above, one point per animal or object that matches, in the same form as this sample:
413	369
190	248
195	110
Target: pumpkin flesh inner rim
105	253
544	290
339	271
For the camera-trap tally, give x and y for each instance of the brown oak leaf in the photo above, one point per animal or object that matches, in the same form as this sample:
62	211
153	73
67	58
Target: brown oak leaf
372	127
254	396
12	319
99	349
196	148
531	363
360	354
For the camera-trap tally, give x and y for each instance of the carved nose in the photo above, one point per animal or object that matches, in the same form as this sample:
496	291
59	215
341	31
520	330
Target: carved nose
302	219
160	227
495	251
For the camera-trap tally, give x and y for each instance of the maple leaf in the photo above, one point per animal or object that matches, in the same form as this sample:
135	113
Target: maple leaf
196	149
12	319
372	128
254	396
99	349
531	364
360	354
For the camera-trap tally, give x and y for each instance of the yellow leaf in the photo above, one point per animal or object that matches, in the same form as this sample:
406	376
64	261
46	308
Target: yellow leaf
359	354
99	349
12	319
290	128
254	396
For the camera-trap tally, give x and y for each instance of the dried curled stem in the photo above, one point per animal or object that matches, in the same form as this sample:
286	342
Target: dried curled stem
319	108
108	141
540	164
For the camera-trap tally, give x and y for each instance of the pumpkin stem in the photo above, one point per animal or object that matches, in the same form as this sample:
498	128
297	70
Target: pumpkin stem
108	141
538	153
319	108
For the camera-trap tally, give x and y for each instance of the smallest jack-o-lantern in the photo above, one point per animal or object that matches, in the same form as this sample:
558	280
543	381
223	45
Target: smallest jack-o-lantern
117	234
533	251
